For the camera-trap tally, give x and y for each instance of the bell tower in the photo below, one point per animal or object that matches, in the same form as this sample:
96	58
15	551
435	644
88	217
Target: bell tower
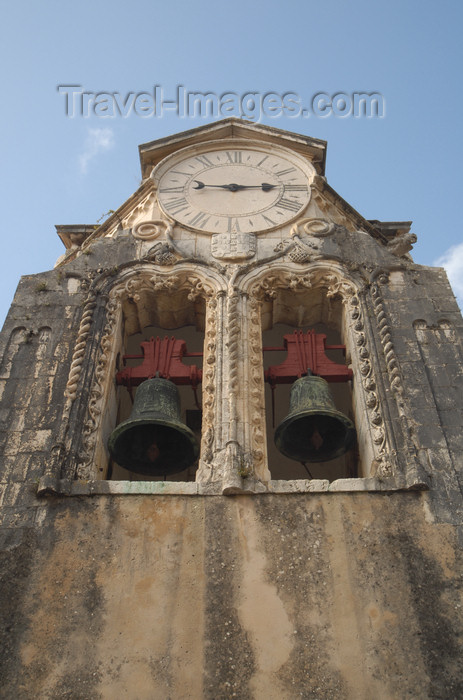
232	423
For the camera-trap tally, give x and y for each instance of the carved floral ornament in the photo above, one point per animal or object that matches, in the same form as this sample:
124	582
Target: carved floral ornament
305	234
265	286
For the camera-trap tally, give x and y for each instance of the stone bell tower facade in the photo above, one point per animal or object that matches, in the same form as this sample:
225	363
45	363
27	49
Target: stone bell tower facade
232	271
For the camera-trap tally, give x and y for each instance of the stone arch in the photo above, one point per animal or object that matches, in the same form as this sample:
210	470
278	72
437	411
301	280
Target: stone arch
334	291
113	303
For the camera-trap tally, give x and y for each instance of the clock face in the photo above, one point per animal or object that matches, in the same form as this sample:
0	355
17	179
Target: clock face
234	189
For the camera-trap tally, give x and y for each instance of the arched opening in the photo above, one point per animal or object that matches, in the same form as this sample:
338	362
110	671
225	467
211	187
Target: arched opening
306	310
165	316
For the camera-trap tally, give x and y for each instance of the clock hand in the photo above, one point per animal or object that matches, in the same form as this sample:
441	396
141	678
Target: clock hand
264	186
233	187
200	186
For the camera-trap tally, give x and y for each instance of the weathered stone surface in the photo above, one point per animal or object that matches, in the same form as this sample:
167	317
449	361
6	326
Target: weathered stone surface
336	595
241	583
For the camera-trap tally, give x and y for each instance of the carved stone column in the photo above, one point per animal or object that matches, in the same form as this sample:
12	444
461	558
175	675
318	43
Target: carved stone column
234	461
212	443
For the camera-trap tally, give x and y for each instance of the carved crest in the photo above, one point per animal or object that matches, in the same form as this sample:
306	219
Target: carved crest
233	246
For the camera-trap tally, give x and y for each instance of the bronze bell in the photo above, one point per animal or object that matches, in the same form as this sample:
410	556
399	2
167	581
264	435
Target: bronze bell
313	430
153	440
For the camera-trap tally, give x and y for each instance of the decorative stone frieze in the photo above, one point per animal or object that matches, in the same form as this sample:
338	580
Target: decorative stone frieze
208	385
86	467
256	389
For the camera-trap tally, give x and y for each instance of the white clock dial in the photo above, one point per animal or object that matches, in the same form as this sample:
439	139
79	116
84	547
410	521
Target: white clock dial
235	189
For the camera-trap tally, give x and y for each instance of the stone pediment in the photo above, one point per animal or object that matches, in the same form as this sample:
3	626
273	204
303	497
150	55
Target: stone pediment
233	128
142	216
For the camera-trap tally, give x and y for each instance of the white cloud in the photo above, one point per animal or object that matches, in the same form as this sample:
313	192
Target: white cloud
97	141
452	261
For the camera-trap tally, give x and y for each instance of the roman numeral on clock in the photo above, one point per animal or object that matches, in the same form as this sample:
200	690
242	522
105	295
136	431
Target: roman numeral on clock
171	189
289	204
295	188
234	156
200	220
280	173
233	225
268	221
204	160
175	206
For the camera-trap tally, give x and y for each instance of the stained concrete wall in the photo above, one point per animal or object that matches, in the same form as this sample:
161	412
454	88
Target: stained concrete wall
274	596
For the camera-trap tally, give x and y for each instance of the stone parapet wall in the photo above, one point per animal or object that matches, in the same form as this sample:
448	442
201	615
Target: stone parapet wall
311	595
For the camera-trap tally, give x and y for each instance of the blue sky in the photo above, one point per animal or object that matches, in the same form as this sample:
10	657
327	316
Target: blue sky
62	170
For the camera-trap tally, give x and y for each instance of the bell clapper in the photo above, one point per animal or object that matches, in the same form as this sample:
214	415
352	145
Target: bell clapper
316	439
152	452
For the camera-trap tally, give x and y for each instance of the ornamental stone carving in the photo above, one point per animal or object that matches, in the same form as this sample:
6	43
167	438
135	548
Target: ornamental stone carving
223	441
401	245
86	466
299	255
79	351
132	289
140	210
337	284
233	246
149	230
233	443
316	228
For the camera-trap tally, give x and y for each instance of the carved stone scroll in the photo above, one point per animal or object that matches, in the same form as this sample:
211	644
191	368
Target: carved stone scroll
149	230
317	228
